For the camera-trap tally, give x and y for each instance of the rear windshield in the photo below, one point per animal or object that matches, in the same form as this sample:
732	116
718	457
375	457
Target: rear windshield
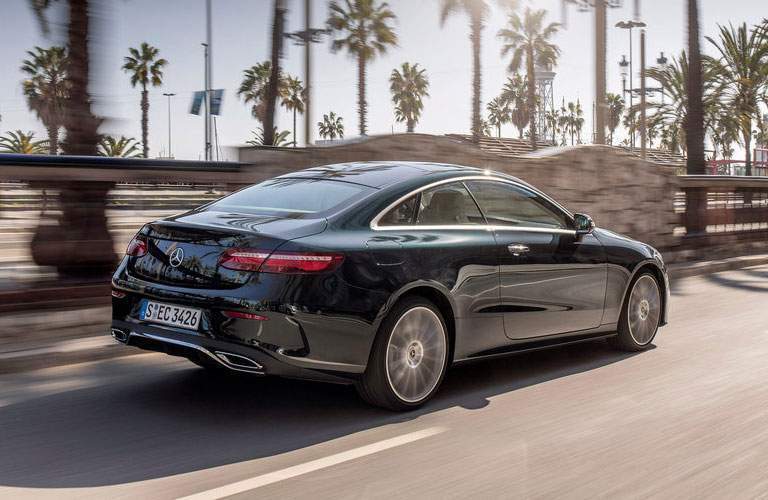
294	196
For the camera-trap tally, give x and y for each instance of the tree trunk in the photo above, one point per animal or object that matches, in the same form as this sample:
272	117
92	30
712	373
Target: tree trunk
295	140
362	105
145	121
498	128
475	36
53	139
411	125
81	125
694	136
532	99
80	243
696	199
748	148
274	78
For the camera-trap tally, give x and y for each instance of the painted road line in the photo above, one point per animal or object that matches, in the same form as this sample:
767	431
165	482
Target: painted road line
314	465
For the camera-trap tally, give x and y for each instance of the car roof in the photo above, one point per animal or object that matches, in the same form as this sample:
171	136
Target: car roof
379	174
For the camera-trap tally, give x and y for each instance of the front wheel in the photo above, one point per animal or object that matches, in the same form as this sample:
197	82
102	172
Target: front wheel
640	316
409	357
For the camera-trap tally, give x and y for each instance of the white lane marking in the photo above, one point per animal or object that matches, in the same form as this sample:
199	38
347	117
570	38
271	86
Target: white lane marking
314	465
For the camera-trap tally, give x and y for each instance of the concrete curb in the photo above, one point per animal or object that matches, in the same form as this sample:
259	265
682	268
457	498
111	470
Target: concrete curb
698	268
100	347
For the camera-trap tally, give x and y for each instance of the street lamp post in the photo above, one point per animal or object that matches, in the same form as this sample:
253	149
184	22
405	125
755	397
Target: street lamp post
630	25
169	95
306	38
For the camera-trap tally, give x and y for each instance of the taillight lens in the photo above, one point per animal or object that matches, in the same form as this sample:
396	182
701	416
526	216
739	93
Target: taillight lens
136	248
244	315
239	259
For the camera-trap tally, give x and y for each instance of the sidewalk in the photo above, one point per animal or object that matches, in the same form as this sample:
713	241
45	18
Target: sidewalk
35	339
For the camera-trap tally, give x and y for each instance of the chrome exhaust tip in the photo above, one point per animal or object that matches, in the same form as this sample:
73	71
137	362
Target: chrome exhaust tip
238	361
120	335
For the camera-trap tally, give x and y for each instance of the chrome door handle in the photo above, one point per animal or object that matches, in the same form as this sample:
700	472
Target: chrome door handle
518	249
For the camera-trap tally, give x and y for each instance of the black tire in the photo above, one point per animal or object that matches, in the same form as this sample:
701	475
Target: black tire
630	341
376	385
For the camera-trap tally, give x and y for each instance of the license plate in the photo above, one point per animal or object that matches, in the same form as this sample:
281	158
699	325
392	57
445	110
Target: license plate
169	314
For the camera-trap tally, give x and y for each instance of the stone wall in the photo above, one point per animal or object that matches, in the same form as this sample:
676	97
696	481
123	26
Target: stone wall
622	192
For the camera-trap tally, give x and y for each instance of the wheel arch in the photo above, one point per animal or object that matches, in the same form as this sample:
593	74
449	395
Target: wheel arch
436	294
660	274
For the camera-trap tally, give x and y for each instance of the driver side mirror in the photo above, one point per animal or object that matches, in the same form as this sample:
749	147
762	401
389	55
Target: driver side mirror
584	224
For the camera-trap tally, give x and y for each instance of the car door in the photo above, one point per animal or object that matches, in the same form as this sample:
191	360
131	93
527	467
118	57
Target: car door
446	243
551	280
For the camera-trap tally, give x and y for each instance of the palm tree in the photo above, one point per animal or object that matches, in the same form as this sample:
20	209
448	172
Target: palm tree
672	115
553	122
145	69
574	120
527	38
293	100
724	132
46	88
408	86
254	88
22	143
279	139
515	92
477	10
485	128
578	120
498	113
365	32
743	69
615	111
121	147
80	123
331	127
563	123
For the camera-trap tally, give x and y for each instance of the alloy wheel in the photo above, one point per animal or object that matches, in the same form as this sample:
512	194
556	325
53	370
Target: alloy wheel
644	309
416	354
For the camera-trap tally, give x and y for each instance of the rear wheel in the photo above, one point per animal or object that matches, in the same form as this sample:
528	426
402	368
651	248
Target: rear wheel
409	357
640	316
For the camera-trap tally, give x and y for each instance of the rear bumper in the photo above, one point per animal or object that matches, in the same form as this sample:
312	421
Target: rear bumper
230	355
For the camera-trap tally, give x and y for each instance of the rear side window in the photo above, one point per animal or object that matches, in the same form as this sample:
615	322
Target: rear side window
294	196
509	205
447	205
402	214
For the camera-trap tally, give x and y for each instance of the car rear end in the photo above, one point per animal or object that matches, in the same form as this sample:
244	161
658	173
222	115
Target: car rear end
232	285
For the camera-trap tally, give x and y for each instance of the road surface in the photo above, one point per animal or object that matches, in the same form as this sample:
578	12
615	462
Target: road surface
686	419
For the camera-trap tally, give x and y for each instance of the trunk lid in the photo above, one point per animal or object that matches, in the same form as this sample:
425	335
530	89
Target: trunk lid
184	250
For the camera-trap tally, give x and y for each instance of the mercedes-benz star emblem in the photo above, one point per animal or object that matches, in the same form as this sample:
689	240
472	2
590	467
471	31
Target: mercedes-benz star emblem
176	257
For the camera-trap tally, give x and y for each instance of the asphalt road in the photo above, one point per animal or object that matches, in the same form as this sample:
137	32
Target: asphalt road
686	419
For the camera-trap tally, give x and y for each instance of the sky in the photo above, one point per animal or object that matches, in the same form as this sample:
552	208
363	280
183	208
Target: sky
241	33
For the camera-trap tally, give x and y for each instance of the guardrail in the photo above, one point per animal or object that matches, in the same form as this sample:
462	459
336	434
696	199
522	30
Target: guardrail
724	210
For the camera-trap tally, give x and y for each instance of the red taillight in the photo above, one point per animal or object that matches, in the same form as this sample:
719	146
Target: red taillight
118	294
244	315
136	248
240	259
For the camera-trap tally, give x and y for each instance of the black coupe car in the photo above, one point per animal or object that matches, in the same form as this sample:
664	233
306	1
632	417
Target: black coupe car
382	275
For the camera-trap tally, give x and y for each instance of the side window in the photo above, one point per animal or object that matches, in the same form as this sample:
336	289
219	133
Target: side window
402	214
509	205
448	204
